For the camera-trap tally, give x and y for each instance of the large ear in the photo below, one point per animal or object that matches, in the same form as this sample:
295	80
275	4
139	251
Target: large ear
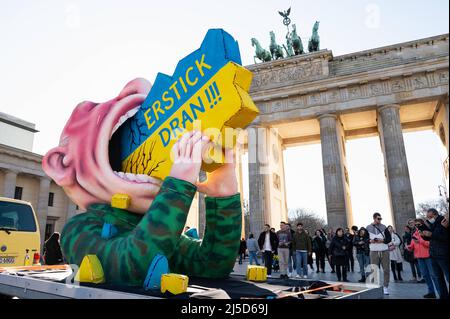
54	166
139	85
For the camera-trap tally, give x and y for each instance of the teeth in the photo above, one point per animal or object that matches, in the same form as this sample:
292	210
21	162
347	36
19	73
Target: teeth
125	117
140	178
131	112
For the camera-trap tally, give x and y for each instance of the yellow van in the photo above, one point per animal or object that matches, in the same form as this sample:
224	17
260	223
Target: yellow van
19	234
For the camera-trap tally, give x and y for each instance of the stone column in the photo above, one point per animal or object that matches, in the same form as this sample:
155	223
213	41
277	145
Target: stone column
335	175
10	183
42	206
445	121
201	208
238	161
258	179
267	202
396	165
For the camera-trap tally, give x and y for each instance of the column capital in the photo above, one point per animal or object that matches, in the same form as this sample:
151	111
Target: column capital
327	115
11	171
44	180
388	106
253	126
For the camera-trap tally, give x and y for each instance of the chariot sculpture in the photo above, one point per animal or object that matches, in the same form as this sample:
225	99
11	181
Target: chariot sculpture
293	46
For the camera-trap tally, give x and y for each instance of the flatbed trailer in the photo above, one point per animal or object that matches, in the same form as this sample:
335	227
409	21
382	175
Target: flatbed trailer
53	284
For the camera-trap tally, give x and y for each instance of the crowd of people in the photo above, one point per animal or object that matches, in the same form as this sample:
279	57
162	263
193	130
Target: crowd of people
424	245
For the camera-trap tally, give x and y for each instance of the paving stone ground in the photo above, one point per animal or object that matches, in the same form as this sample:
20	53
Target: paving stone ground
397	290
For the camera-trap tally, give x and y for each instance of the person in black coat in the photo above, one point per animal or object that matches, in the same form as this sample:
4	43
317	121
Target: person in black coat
339	251
292	259
242	249
268	243
438	236
350	259
319	248
52	250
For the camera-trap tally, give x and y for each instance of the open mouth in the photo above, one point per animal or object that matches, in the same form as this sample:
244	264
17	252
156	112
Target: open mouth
114	150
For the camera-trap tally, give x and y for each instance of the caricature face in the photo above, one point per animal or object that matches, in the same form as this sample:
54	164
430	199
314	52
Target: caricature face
81	163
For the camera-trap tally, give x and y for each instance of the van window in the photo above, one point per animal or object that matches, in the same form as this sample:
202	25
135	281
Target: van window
17	216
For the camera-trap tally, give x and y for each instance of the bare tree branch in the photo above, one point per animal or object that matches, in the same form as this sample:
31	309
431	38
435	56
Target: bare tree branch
309	218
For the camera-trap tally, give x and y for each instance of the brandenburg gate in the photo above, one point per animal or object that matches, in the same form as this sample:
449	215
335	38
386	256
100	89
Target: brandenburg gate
320	98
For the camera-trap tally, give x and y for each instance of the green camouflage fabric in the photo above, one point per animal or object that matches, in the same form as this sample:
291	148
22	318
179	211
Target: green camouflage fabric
126	257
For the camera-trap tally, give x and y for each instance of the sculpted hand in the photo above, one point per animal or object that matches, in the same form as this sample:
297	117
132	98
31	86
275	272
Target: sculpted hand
222	182
187	156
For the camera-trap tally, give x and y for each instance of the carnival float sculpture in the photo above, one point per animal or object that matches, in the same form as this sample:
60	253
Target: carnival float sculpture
132	163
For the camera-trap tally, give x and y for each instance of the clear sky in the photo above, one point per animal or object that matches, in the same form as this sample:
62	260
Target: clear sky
57	53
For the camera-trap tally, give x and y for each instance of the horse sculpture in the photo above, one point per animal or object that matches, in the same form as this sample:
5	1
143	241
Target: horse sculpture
260	53
275	49
296	41
314	42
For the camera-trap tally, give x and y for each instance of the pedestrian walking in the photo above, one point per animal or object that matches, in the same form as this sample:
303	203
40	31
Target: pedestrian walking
302	246
310	257
379	238
253	249
339	251
284	240
361	243
268	242
319	248
242	250
351	261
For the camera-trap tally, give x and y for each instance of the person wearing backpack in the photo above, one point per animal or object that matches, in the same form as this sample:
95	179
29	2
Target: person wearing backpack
253	249
395	255
379	238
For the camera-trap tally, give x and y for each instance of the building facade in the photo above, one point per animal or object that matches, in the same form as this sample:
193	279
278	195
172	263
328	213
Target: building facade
22	176
320	98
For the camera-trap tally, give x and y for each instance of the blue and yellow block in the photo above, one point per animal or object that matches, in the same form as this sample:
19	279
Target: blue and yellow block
209	88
